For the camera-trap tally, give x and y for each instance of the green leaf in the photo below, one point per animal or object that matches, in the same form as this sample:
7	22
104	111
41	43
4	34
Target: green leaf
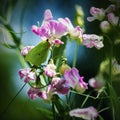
59	51
38	54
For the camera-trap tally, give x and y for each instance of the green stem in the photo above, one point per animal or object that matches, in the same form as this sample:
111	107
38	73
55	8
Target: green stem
21	59
85	100
110	80
110	65
53	109
75	55
11	101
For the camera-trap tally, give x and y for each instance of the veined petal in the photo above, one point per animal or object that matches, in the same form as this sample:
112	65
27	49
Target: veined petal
48	15
33	93
35	29
92	40
45	32
74	80
89	113
57	29
90	19
59	85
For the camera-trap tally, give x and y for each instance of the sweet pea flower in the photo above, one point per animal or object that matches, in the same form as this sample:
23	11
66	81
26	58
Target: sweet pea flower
113	19
74	32
96	84
27	74
60	85
92	40
33	93
97	14
89	113
26	49
57	86
46	95
49	70
50	29
47	17
74	80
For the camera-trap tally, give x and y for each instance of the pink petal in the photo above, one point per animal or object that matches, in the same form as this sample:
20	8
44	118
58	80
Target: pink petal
35	29
48	15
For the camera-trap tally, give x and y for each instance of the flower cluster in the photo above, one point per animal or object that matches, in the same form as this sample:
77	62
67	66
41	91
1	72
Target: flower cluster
49	77
107	16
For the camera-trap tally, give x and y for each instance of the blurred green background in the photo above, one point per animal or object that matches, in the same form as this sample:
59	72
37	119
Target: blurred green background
22	14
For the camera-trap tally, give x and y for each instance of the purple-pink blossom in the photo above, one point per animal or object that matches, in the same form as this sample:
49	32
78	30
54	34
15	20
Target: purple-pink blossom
89	113
27	74
92	40
50	29
60	85
50	70
33	93
74	32
26	49
57	86
74	80
97	14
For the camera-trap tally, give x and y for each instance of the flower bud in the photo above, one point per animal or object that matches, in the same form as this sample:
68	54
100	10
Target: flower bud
50	69
96	84
63	68
105	26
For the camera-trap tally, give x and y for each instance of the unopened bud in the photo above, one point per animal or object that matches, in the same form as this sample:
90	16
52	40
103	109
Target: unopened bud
63	68
105	26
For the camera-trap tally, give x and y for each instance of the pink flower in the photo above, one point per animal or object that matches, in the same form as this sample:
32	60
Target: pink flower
50	29
96	84
33	93
27	74
57	86
92	40
74	80
26	49
57	28
60	85
49	70
44	32
96	13
89	113
74	32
